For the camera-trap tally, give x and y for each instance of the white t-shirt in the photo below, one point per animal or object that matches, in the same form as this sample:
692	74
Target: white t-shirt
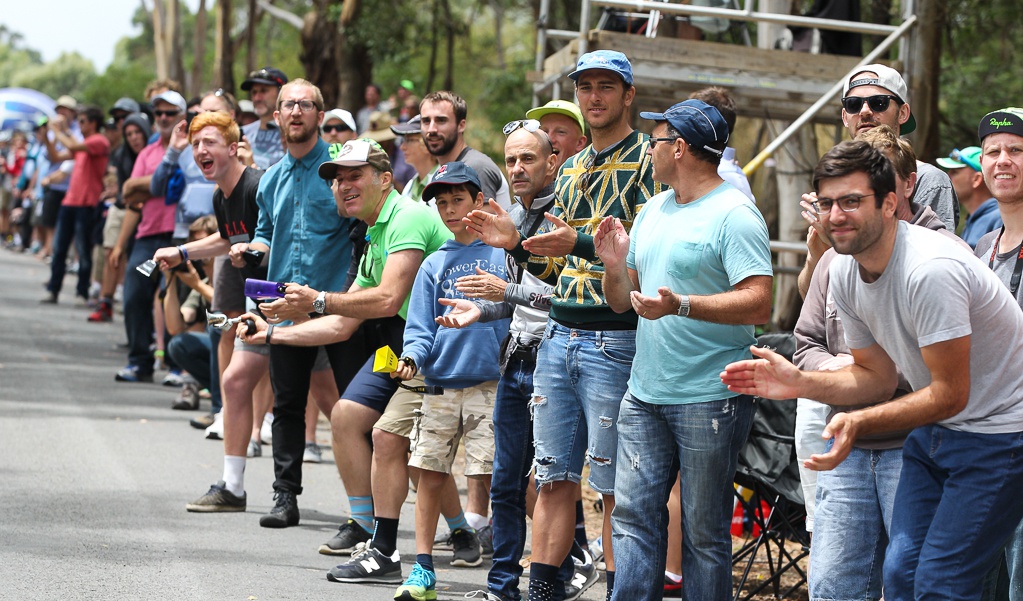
932	291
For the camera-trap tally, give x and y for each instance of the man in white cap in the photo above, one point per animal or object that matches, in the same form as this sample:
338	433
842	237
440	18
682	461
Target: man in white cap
338	127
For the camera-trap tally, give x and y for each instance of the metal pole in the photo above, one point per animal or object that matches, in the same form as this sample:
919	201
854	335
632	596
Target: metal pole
541	45
753	165
584	28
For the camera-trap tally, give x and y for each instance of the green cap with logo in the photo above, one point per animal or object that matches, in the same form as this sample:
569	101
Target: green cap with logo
1003	121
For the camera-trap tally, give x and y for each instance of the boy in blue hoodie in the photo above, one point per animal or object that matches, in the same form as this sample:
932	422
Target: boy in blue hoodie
465	362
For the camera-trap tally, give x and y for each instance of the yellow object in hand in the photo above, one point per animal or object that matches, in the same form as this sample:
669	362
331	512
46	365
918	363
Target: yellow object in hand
385	360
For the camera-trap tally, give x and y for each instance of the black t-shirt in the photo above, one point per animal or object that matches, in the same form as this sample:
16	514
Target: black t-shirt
237	215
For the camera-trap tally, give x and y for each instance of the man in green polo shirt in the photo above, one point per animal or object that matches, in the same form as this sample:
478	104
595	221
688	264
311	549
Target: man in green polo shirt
369	315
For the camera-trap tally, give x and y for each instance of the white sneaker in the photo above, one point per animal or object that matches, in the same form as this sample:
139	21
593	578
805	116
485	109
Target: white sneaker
216	429
312	453
266	431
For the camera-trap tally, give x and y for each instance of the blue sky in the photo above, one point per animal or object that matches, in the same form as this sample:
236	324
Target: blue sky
91	29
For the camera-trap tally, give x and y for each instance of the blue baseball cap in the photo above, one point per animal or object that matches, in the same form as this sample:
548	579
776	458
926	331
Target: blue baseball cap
608	60
957	159
451	174
699	123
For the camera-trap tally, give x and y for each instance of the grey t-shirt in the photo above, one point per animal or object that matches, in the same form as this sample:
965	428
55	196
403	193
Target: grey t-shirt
933	291
494	184
1003	263
265	144
934	189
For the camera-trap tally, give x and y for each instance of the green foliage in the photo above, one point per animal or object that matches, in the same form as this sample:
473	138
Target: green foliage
983	48
69	74
116	82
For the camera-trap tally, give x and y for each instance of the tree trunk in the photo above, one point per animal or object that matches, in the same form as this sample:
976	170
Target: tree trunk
223	54
498	8
175	62
159	40
434	42
924	68
449	28
198	80
320	41
250	37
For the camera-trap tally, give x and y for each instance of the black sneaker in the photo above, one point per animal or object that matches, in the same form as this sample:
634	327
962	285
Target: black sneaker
284	512
442	542
347	539
466	545
486	536
368	565
583	577
218	499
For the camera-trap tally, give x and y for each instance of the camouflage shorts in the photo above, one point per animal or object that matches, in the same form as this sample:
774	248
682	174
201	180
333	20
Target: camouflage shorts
445	419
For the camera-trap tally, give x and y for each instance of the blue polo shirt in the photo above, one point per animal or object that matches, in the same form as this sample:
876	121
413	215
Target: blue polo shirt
298	220
985	219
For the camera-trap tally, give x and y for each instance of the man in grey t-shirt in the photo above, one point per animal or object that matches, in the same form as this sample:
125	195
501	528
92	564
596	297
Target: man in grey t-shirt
911	298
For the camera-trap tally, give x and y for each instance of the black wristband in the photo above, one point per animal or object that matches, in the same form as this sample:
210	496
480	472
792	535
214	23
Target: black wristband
269	332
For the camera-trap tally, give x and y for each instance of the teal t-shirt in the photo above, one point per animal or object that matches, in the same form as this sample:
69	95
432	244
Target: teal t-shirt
403	224
701	248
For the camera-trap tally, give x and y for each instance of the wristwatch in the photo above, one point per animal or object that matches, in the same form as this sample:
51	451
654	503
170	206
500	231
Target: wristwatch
320	304
683	305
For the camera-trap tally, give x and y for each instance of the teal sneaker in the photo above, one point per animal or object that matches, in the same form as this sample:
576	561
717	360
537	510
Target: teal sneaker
421	585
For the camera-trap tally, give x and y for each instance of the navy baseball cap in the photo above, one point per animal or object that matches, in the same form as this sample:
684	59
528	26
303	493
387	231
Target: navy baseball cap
266	76
609	60
699	123
451	174
1007	120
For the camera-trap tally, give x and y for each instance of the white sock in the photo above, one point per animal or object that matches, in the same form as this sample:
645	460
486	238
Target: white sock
476	521
673	576
234	474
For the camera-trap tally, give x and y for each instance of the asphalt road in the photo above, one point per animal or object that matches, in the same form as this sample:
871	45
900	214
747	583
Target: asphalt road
95	475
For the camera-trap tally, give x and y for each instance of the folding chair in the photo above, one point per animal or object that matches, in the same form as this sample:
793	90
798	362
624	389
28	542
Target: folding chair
768	468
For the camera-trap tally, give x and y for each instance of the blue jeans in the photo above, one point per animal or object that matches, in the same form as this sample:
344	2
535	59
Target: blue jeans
581	377
701	441
956	506
216	401
139	292
854	515
191	351
76	223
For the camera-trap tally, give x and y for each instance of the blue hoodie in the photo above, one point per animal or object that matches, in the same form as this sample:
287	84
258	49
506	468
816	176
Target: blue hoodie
453	358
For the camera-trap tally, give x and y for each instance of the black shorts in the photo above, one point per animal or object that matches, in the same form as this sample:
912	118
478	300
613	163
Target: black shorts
51	206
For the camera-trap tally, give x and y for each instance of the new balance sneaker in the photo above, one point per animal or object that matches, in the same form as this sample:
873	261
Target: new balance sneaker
312	453
485	596
215	431
218	499
255	449
486	536
284	512
421	585
368	565
132	373
672	587
583	577
466	548
349	536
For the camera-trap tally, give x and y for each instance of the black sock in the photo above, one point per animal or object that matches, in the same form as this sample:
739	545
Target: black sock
425	560
580	525
610	584
385	535
541	581
577	551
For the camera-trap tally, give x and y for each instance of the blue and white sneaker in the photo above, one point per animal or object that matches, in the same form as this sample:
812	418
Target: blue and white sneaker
421	585
132	373
368	565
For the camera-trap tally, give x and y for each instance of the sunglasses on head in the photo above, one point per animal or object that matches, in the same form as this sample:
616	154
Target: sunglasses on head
877	104
327	129
530	125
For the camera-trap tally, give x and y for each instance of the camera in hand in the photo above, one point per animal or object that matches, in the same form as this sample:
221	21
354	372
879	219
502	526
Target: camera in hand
253	258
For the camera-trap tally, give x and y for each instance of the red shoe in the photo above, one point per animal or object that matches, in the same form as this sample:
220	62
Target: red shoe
104	312
672	587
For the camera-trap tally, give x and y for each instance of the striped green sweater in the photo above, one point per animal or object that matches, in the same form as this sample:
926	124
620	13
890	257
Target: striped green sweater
617	182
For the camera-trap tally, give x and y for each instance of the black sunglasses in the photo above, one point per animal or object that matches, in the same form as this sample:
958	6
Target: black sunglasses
877	104
166	113
335	128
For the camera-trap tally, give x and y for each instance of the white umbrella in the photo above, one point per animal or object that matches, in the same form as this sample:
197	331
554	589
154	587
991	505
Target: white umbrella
20	107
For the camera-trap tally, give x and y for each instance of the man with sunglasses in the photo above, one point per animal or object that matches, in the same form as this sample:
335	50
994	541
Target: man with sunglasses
613	175
370	314
696	267
877	95
981	207
914	301
264	135
338	127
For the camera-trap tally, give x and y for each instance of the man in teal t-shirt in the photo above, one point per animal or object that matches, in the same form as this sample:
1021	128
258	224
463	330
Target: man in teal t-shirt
696	268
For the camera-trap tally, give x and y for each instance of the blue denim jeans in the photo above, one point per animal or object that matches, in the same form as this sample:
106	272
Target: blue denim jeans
72	223
216	401
854	515
192	350
139	292
701	441
955	508
581	377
